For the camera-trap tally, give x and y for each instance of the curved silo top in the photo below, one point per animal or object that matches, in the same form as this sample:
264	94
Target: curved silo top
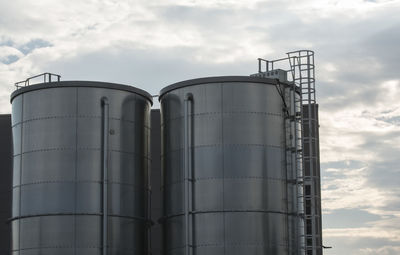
93	84
217	79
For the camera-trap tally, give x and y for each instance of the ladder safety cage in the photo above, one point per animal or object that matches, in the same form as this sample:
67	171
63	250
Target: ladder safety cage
303	74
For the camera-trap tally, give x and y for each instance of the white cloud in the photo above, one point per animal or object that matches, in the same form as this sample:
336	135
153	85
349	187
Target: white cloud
385	250
373	232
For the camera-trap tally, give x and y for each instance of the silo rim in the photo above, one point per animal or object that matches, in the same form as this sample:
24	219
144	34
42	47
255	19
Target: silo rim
216	79
92	84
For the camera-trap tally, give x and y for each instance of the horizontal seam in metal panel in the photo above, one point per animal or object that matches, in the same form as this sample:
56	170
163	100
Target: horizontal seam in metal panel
74	116
81	148
73	246
230	244
42	150
236	146
241	145
224	178
56	247
223	211
241	244
79	214
218	114
82	181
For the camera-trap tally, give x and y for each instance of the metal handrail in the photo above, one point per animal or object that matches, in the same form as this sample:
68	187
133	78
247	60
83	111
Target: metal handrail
47	77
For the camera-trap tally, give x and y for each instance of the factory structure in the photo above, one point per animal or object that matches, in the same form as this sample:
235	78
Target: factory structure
227	165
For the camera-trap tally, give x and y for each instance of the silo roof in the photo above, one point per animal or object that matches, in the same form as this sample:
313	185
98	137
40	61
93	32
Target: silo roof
217	79
92	84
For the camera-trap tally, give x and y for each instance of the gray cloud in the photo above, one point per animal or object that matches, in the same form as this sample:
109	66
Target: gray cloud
150	70
10	59
34	44
5	42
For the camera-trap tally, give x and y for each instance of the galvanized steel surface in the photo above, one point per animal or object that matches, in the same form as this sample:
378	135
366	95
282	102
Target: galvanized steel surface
57	182
238	188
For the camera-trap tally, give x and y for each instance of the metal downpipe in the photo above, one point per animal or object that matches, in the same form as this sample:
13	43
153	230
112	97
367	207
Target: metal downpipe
105	119
187	169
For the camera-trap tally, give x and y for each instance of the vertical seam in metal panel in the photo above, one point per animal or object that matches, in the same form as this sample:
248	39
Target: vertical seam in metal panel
20	174
223	162
76	167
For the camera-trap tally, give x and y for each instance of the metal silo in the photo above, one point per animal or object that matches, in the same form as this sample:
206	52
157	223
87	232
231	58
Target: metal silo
225	154
81	157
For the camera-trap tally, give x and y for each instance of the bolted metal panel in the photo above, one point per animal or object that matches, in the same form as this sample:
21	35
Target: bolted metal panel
58	169
236	186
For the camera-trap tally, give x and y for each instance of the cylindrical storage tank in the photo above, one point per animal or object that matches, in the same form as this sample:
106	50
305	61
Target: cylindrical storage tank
80	174
224	172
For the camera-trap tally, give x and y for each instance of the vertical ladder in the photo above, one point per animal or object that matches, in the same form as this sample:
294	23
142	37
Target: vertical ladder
303	71
294	170
302	152
296	143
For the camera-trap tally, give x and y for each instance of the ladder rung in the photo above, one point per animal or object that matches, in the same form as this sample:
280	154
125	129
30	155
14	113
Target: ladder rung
292	149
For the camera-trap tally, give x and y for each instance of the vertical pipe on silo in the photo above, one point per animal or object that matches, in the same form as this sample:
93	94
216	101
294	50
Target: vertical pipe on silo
187	169
105	104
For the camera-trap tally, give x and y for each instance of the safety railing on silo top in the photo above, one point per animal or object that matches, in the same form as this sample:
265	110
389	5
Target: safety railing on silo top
47	77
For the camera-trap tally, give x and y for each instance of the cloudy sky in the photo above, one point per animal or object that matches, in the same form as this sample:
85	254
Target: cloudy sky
150	44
